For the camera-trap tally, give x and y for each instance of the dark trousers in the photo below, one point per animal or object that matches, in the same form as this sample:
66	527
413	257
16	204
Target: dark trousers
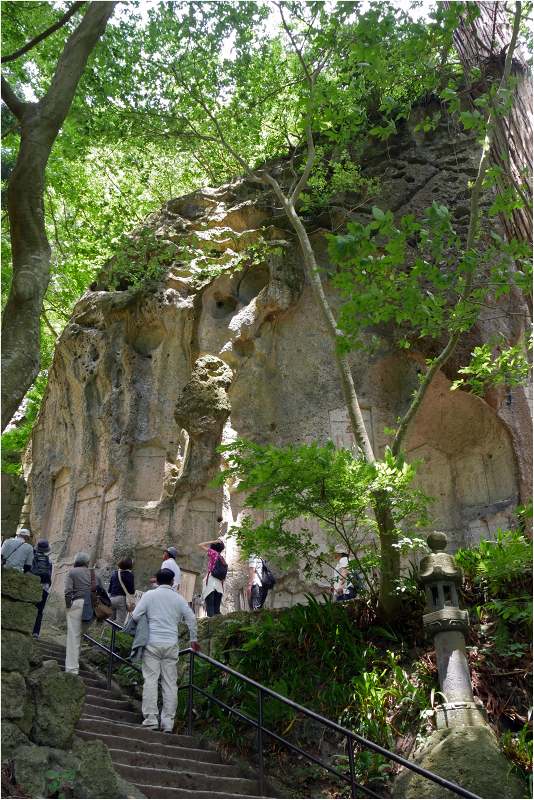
350	594
258	595
39	617
213	603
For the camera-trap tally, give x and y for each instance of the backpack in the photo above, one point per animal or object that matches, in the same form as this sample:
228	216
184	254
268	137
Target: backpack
220	569
41	566
267	578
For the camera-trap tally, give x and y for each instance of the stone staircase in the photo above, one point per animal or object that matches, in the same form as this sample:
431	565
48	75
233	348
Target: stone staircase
159	764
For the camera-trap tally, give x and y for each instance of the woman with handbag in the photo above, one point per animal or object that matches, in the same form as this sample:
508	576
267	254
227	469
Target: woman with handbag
121	591
213	588
85	598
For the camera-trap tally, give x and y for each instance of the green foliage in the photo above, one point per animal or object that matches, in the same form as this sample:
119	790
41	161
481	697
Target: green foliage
509	366
502	571
60	783
326	657
15	440
518	748
324	484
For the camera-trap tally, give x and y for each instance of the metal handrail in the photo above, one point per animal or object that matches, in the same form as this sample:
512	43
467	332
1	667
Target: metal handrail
258	723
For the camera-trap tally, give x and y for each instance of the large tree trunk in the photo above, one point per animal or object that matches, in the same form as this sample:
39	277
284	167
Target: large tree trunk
482	43
40	124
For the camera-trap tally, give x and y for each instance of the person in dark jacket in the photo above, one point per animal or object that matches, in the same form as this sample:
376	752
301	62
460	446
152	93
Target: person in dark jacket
121	587
42	567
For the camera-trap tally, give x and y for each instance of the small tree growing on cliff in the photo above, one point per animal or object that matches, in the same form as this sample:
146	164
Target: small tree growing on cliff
313	40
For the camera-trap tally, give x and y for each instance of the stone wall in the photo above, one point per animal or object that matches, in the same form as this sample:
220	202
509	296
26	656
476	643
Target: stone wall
41	705
145	384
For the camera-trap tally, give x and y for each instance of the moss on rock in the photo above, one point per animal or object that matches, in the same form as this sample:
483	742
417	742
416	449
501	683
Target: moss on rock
96	769
12	738
13	695
58	698
469	756
21	586
16	651
17	616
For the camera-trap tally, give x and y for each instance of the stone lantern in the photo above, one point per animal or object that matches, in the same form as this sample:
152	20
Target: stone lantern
447	623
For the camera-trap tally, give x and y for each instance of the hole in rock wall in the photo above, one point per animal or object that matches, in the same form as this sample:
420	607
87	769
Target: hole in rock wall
147	339
251	284
222	306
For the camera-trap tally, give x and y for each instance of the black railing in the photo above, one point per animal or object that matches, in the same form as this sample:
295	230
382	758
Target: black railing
263	691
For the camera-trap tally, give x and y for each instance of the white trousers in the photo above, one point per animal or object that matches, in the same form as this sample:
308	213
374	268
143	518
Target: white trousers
74	635
160	661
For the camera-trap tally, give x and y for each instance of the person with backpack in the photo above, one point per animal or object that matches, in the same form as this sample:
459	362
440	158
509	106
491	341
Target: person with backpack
213	588
17	552
42	567
121	591
260	580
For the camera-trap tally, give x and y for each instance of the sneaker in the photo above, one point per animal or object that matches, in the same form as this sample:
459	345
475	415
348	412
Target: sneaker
150	723
35	635
167	730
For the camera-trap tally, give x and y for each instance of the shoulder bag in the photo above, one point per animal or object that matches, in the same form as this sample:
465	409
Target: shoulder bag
101	609
130	598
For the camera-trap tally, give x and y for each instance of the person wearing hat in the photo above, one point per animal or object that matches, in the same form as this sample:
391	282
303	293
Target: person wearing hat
42	567
17	552
169	562
343	588
213	589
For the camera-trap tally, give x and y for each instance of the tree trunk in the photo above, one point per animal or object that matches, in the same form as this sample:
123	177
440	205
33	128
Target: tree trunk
40	124
483	43
389	554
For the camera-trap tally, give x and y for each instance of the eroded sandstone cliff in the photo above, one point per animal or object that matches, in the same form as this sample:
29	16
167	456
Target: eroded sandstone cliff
147	382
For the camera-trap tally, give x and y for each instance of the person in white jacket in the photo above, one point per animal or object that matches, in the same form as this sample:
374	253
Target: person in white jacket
164	609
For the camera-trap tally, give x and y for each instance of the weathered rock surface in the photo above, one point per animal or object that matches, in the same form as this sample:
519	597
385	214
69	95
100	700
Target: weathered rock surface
468	756
18	616
146	383
16	651
13	694
58	698
21	586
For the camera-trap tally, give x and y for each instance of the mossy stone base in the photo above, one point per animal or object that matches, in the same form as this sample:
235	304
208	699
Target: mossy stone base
468	756
12	738
16	651
13	695
22	586
58	698
18	616
96	769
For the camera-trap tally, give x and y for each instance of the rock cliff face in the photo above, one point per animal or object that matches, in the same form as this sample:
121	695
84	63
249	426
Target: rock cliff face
146	383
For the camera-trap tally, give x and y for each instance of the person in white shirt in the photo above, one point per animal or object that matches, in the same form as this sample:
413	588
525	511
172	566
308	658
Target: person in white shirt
257	592
343	588
164	609
169	562
17	552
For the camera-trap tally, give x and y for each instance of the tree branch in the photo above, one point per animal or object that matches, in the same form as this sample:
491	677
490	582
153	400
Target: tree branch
56	103
12	100
39	38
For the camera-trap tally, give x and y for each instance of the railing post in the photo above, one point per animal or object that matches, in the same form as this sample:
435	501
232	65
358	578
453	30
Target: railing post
260	743
110	660
351	767
190	693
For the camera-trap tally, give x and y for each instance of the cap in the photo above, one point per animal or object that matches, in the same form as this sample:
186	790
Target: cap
341	549
171	551
43	546
24	532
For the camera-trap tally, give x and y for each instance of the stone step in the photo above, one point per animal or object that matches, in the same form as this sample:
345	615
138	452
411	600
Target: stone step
100	699
104	712
97	683
186	779
164	761
163	792
101	692
107	726
208	757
